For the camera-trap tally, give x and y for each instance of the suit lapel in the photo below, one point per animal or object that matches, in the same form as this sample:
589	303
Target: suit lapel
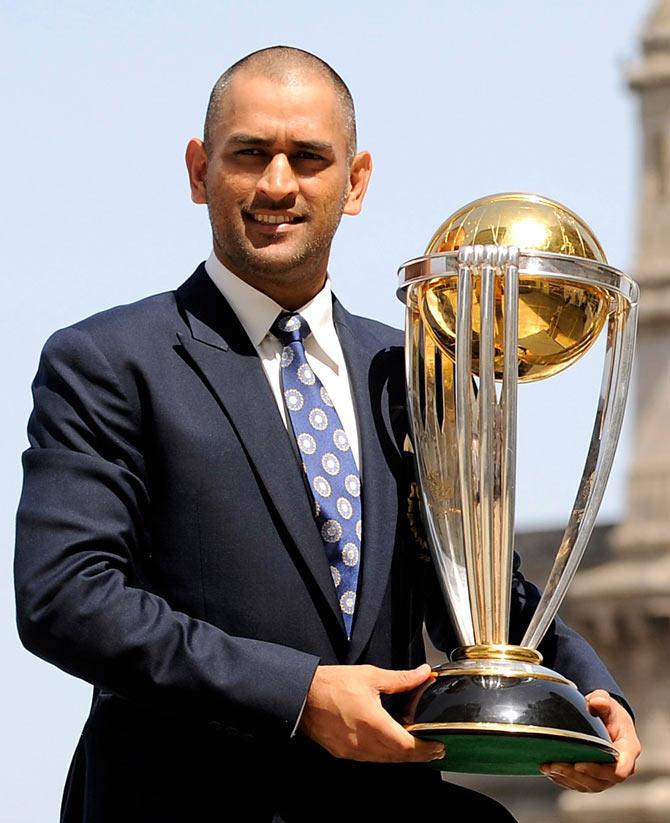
365	358
219	349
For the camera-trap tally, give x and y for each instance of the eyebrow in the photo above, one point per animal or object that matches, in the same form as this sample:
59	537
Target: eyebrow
240	139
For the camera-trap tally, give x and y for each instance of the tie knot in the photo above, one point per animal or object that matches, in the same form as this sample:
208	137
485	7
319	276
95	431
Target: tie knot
290	327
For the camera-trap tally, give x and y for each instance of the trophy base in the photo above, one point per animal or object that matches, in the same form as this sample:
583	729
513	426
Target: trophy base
502	717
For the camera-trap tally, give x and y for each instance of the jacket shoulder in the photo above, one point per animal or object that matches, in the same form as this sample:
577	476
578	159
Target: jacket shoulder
141	317
121	332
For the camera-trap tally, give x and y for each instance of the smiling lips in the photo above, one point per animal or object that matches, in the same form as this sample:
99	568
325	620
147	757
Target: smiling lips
273	219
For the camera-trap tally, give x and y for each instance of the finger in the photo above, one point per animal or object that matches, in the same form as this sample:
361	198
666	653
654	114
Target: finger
601	705
381	751
400	745
623	768
564	783
598	694
613	773
567	776
426	750
394	682
612	714
601	771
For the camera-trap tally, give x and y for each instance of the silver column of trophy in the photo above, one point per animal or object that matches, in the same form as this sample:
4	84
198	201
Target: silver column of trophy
513	287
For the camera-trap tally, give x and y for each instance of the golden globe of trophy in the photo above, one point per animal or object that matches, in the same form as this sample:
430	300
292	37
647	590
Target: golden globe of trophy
512	288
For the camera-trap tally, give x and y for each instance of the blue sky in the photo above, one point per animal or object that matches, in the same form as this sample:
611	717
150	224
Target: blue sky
454	100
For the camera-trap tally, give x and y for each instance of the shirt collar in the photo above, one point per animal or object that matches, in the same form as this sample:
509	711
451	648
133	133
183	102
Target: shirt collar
257	312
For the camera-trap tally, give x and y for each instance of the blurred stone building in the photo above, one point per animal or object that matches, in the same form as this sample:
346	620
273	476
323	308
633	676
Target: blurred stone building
620	599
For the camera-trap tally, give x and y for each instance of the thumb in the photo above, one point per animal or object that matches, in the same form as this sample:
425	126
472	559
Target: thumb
600	705
392	682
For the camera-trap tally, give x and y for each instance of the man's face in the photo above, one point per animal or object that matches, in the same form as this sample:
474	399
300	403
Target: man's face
278	176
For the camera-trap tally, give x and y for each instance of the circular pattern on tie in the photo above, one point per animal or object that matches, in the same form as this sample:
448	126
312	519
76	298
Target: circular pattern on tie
359	530
341	440
326	397
350	554
306	443
321	486
348	602
344	507
286	356
290	323
330	463
306	375
294	400
331	531
317	417
352	484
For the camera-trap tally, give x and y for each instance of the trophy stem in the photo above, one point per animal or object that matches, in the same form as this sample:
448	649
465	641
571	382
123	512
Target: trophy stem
508	403
464	440
488	524
487	448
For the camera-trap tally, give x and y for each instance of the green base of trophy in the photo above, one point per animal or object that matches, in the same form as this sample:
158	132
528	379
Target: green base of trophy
497	718
512	753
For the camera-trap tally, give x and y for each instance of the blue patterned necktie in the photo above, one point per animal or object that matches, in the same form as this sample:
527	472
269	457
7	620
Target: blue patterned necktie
327	459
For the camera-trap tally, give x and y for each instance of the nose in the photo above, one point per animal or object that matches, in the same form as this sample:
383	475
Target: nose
278	180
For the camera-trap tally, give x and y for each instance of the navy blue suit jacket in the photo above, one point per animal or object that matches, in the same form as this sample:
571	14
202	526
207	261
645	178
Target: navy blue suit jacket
167	554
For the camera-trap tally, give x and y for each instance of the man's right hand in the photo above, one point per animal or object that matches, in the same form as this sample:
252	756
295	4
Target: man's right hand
344	714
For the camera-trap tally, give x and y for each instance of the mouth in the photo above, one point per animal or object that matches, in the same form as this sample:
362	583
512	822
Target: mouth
273	221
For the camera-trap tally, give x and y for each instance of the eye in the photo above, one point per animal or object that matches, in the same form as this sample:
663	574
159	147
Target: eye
308	155
250	152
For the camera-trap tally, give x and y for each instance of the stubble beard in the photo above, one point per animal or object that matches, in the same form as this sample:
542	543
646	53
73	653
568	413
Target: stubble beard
244	258
306	260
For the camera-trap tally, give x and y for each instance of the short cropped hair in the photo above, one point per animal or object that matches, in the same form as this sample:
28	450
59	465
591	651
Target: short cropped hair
278	63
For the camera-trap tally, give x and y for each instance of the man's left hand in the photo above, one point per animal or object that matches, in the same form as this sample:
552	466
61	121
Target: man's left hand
595	777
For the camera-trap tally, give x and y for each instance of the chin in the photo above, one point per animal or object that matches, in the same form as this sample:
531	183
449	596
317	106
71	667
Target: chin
274	263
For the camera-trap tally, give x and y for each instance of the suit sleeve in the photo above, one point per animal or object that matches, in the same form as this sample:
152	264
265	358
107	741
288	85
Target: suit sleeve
81	527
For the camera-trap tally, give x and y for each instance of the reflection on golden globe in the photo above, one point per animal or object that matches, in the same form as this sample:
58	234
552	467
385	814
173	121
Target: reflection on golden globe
559	320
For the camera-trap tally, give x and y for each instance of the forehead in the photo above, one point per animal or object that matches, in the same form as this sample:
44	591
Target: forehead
304	107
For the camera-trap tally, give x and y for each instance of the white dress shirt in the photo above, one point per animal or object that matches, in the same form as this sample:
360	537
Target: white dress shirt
257	312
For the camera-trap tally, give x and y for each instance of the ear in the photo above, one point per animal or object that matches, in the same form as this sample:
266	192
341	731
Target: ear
196	163
359	177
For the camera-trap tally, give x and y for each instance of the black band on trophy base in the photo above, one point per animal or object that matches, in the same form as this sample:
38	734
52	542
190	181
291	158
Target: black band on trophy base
498	723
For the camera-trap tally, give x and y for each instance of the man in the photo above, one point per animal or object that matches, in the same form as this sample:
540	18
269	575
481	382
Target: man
178	549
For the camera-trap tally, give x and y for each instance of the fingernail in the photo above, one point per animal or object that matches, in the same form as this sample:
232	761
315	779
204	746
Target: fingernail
438	755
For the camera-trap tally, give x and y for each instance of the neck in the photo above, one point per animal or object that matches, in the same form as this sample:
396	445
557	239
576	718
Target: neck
292	297
291	290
